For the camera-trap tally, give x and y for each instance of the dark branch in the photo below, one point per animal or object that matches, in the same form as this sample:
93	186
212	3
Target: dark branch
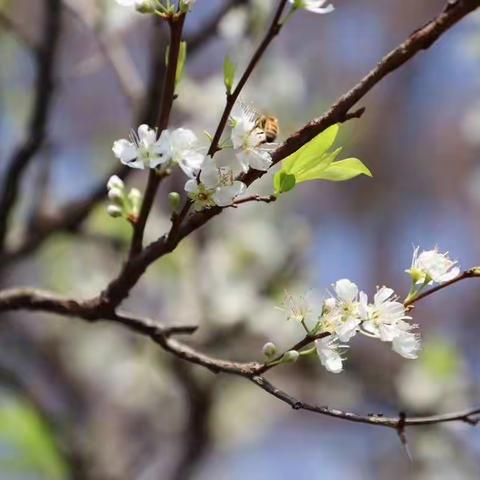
42	103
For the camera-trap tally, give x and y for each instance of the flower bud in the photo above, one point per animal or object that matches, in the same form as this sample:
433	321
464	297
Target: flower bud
144	6
269	349
290	357
175	200
186	5
115	182
114	211
116	195
135	199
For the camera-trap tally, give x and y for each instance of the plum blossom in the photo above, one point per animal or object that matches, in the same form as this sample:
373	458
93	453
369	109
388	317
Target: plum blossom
315	6
347	312
248	140
327	351
181	147
145	150
385	317
216	186
345	315
296	308
141	150
432	266
406	344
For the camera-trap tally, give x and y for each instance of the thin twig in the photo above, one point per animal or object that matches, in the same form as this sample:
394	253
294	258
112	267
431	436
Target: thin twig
472	273
154	179
272	32
255	198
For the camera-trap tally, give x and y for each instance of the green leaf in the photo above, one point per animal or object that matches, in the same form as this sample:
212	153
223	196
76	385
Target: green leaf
313	161
316	166
228	73
311	151
182	58
23	429
341	171
283	182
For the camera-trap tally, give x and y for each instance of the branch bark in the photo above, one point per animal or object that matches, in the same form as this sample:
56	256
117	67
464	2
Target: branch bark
45	58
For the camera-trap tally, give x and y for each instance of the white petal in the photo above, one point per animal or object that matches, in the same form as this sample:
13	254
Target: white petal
191	162
382	295
191	186
183	139
260	160
224	196
147	135
127	152
346	290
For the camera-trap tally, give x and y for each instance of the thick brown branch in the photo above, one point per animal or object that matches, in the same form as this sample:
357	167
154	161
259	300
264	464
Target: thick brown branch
37	128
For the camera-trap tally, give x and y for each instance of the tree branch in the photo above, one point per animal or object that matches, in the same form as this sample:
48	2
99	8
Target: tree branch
472	273
36	132
468	416
37	300
272	32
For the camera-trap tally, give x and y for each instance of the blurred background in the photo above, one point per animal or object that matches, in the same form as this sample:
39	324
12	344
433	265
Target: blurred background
97	402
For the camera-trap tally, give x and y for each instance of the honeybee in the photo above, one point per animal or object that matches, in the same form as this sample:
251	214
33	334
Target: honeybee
269	125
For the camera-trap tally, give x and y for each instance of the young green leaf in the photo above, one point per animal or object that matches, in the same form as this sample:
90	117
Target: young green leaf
311	151
228	74
343	170
182	58
313	161
283	182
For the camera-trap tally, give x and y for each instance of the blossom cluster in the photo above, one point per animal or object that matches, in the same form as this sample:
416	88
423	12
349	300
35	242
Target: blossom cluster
348	311
209	184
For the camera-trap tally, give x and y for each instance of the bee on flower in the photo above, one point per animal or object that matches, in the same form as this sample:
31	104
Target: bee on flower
249	140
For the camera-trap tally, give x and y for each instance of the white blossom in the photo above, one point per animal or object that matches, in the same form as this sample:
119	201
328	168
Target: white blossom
217	186
296	308
327	351
201	196
406	344
181	146
144	150
340	314
141	150
432	266
315	6
385	317
248	140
